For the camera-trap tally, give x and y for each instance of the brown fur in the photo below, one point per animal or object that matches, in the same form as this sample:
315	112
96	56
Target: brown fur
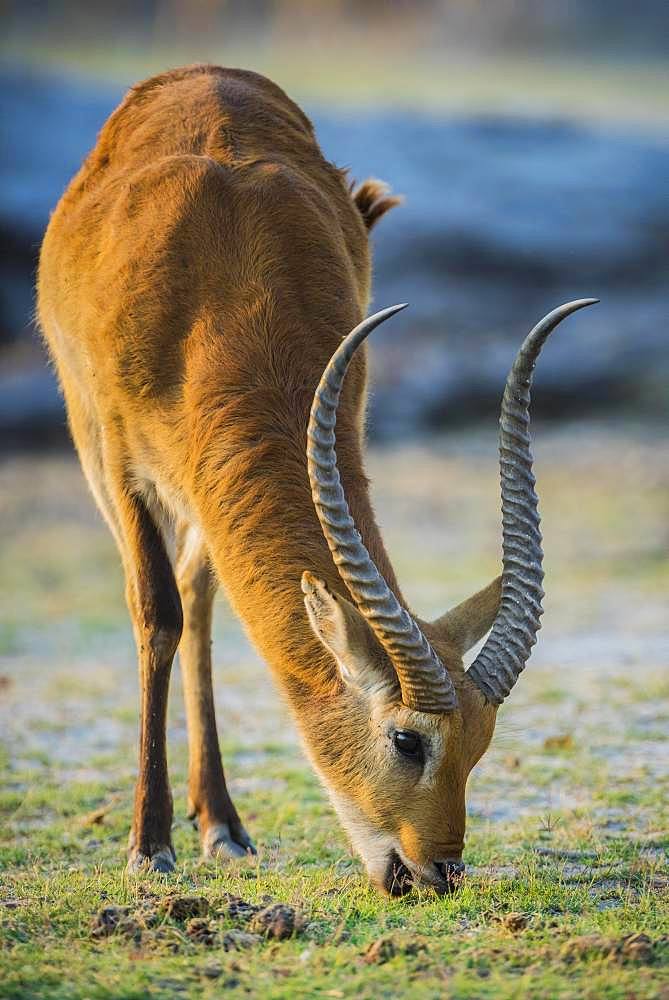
194	281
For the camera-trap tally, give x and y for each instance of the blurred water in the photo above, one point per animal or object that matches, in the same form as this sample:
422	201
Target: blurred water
504	218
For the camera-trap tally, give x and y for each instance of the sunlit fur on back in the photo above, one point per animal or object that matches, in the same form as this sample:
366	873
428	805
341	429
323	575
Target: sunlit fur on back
194	281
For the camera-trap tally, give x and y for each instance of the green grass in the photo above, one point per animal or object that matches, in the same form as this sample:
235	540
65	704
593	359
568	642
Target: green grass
568	831
58	872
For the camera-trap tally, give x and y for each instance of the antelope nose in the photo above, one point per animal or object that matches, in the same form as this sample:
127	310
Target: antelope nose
452	872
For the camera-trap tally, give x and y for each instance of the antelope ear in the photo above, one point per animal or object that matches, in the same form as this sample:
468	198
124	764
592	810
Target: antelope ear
345	634
468	622
374	199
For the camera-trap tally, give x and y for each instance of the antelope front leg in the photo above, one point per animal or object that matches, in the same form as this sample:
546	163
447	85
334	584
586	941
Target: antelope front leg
155	607
221	830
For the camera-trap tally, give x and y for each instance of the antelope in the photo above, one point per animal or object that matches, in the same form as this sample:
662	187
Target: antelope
197	284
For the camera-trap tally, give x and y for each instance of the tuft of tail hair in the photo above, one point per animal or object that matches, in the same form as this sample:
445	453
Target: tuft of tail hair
374	199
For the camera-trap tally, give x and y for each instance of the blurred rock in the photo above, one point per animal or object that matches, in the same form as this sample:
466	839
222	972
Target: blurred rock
504	219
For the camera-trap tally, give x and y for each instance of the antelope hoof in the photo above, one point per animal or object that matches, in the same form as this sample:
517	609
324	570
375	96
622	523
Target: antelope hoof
161	860
218	843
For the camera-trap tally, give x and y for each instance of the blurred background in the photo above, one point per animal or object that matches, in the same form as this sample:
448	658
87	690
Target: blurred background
529	138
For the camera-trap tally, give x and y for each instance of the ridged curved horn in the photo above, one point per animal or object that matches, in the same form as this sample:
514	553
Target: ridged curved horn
507	649
424	681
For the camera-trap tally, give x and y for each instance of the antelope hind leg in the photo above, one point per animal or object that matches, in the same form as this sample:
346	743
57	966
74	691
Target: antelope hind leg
221	830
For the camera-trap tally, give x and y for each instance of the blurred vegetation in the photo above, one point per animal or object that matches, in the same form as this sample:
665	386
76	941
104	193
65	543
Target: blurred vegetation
589	58
611	26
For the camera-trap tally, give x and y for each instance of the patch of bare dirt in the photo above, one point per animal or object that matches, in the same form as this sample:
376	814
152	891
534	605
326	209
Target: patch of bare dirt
115	920
182	908
241	910
639	948
278	922
515	923
201	930
171	922
386	947
236	940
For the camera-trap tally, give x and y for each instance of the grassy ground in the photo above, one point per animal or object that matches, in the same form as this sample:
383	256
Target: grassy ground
568	831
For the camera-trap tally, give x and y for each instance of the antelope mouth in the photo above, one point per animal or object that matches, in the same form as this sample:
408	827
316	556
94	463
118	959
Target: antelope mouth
398	880
445	877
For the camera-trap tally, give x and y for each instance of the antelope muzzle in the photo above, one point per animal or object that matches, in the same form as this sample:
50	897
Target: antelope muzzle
445	877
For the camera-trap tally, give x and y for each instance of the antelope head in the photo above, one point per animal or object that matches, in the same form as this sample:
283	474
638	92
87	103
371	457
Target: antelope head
412	721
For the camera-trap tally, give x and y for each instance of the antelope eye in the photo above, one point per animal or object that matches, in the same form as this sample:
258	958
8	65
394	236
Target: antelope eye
409	744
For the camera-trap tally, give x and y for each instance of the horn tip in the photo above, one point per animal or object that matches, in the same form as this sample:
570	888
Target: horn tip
580	304
392	310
